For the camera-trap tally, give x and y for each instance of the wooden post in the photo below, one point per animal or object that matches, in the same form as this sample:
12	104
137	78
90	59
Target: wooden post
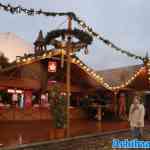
115	102
68	77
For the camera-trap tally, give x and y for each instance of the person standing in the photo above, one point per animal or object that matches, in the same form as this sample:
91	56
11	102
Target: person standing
136	117
122	106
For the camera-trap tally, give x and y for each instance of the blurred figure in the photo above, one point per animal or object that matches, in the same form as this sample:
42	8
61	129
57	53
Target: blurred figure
122	106
1	102
136	117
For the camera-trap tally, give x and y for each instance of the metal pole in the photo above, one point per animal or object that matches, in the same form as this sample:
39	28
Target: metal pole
68	82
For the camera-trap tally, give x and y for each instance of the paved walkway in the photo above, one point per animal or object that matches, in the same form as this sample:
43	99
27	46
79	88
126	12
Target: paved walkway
36	131
106	142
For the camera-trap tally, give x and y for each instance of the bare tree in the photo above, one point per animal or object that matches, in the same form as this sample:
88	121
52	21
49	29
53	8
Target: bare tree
4	61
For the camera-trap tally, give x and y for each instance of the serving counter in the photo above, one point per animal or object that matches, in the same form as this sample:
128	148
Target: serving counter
7	114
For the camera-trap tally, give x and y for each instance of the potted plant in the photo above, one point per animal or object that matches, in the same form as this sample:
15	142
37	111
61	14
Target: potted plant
58	107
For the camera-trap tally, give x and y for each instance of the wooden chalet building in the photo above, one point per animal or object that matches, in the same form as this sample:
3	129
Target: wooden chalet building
28	79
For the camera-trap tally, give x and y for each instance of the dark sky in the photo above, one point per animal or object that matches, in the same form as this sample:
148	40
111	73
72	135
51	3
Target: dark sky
124	22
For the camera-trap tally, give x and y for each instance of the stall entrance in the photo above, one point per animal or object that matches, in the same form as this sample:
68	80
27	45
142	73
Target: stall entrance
147	106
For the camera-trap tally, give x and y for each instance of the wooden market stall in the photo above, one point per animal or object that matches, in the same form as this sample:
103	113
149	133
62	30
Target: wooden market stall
32	78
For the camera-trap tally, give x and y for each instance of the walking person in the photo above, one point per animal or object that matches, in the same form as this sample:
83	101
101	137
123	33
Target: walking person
136	117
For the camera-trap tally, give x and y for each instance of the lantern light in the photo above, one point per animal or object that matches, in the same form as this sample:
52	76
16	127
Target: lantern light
73	60
84	67
81	64
78	61
24	60
29	59
52	66
18	59
44	55
11	91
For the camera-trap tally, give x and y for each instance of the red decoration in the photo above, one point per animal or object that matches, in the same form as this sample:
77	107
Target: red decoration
122	104
28	99
52	66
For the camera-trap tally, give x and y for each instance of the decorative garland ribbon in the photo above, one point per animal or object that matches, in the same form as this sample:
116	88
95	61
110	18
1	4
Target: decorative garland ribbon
32	12
105	41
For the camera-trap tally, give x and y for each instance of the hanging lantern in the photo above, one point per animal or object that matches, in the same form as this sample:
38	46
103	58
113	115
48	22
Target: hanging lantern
52	66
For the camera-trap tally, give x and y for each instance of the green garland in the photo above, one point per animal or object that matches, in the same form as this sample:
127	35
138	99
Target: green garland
82	36
105	41
32	12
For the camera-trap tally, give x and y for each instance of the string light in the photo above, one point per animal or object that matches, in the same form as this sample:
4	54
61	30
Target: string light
105	41
78	61
24	60
50	54
31	12
18	59
73	60
44	55
84	67
148	69
29	59
98	78
80	64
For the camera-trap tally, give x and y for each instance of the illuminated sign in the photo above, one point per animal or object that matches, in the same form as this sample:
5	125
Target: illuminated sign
14	91
52	66
11	91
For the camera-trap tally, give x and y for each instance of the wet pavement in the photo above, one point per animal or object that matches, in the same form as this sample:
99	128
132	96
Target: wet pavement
106	143
26	132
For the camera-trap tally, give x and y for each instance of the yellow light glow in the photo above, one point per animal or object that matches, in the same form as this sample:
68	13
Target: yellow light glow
24	60
87	69
94	74
29	59
73	60
78	61
97	76
84	67
18	60
50	54
44	55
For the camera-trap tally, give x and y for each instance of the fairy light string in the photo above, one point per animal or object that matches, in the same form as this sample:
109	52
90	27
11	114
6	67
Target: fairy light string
32	12
92	73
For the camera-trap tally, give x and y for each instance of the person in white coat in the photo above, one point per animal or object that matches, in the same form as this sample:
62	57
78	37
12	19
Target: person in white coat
136	117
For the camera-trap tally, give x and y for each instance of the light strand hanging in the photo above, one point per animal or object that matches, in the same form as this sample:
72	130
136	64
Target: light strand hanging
31	12
106	41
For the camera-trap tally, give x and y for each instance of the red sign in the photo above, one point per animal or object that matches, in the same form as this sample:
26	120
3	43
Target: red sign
52	66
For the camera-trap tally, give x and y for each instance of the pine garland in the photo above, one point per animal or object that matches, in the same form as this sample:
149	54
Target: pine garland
32	12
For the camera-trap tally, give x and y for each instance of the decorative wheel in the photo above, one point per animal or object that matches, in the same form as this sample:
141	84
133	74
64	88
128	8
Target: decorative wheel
61	39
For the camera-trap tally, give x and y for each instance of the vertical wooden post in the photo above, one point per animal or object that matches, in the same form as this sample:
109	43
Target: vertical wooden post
68	78
115	102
